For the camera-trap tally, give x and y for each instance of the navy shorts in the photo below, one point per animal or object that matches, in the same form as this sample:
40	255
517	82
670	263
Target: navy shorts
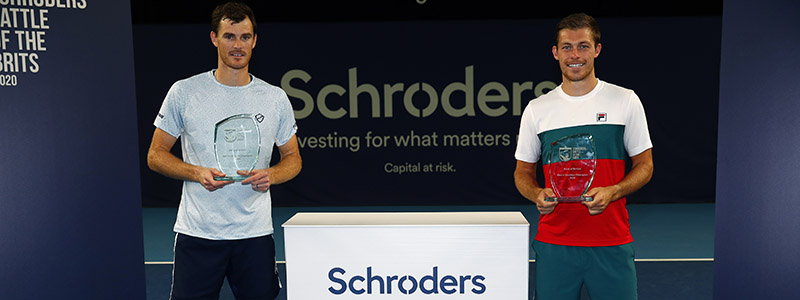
608	273
201	266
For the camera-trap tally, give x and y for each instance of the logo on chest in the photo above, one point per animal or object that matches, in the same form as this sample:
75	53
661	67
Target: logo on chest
602	117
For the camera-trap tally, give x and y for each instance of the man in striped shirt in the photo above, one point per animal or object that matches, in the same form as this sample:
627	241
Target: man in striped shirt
584	243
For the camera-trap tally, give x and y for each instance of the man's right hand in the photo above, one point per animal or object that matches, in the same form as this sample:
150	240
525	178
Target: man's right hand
545	207
525	180
206	178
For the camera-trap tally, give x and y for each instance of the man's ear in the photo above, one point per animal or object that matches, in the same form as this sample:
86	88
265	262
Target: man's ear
555	52
597	50
214	38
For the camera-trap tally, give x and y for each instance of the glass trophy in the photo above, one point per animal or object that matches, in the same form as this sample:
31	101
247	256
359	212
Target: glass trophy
571	165
237	144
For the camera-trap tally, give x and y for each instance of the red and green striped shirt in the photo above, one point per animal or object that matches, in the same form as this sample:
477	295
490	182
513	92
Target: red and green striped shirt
615	118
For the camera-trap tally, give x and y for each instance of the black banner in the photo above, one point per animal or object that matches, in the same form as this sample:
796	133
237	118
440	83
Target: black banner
427	112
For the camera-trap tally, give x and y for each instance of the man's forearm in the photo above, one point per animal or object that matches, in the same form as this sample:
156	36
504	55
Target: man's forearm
167	164
286	169
640	174
525	180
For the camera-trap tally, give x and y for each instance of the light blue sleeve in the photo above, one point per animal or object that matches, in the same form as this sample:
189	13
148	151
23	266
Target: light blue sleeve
287	126
169	118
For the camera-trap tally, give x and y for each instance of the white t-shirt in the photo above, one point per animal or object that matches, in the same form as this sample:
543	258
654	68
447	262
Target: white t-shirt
190	111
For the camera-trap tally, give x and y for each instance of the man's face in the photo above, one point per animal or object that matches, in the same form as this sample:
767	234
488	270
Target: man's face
235	43
575	53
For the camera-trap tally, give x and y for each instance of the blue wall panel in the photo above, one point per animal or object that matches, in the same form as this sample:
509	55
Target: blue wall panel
70	212
758	170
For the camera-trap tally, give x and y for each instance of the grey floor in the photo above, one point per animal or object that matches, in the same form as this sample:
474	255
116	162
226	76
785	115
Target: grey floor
674	245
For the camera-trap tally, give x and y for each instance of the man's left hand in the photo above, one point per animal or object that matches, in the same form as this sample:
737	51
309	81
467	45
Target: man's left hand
258	179
601	198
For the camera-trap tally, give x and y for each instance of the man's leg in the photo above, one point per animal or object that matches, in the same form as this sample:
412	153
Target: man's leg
253	273
199	268
559	272
612	275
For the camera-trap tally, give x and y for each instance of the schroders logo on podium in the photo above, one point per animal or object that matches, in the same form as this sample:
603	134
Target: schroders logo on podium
377	283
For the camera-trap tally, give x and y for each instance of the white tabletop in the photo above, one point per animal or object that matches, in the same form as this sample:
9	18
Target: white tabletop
408	219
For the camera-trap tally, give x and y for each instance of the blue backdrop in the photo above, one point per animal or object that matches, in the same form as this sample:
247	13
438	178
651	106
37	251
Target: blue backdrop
70	203
757	206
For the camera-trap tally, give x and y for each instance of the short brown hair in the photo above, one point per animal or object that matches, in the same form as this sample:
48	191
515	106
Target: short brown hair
234	11
579	21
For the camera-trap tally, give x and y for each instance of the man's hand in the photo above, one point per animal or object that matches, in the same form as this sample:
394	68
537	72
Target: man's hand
160	159
640	174
545	207
525	180
601	198
258	179
205	176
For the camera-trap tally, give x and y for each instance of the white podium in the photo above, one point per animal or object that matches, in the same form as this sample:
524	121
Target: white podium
463	255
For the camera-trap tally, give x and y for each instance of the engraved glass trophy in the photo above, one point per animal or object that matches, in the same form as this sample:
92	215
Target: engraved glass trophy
237	144
571	166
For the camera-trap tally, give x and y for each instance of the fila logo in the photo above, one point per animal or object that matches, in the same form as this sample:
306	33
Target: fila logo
602	117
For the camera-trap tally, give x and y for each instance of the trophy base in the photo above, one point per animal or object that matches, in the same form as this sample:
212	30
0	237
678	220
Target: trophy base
568	199
230	178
